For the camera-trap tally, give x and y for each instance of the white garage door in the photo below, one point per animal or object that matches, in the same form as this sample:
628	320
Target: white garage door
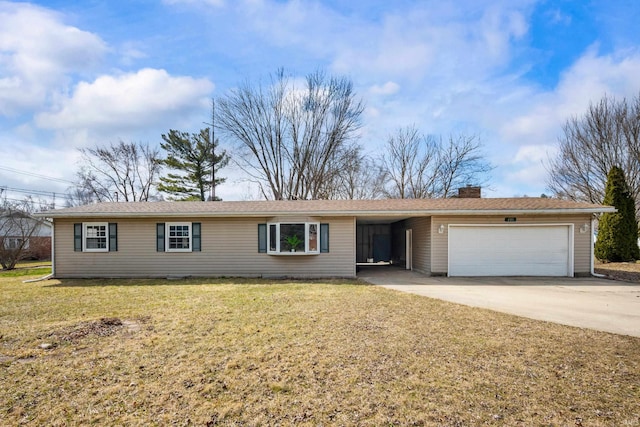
510	250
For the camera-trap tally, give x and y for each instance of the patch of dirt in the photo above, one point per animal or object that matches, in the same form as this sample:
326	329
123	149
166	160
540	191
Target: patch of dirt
104	327
626	271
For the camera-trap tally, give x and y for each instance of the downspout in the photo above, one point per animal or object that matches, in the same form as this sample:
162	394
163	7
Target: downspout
53	247
593	273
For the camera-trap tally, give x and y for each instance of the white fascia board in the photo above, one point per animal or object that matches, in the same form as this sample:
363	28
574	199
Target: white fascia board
378	213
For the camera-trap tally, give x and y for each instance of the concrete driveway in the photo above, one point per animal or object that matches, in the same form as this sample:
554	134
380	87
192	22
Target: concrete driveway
604	305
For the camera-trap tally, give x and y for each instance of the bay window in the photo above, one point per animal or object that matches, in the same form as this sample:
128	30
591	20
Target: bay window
300	237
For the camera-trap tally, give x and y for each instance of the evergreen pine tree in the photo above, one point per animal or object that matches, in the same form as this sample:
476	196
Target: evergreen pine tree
618	232
192	157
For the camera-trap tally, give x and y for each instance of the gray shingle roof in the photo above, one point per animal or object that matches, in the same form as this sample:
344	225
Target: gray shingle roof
388	207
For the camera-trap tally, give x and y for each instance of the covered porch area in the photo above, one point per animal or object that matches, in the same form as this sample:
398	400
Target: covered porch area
390	242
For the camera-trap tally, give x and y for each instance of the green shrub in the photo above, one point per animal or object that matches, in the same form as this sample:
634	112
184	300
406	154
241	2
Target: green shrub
618	232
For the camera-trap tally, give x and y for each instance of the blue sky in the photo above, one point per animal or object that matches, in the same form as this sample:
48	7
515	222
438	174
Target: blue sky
81	74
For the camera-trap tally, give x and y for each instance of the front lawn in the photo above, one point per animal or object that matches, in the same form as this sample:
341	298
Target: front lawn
27	268
254	352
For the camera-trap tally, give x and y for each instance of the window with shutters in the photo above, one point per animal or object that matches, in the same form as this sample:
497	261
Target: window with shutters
178	235
96	238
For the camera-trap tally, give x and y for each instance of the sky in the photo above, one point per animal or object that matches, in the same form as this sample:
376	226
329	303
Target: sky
90	73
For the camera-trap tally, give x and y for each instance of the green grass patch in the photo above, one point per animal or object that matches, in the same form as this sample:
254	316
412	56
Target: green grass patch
28	268
258	352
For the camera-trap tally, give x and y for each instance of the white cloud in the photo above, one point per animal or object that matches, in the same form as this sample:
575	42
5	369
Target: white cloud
594	75
589	79
532	119
36	161
497	28
534	153
388	88
216	3
130	52
118	104
435	42
37	52
555	16
527	171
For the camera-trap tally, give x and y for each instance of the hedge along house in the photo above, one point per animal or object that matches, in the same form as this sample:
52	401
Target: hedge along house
324	238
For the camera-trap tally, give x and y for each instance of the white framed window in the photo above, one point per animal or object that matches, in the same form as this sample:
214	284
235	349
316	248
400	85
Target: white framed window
13	243
294	237
178	236
95	237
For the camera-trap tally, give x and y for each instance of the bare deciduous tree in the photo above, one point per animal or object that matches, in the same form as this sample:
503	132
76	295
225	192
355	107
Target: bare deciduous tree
460	162
607	135
18	231
77	196
124	171
360	178
409	164
294	140
418	166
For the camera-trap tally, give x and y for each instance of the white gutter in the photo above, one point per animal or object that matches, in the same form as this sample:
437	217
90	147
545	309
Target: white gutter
358	213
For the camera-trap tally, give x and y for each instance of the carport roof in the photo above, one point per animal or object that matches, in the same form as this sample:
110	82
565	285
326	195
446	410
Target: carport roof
387	207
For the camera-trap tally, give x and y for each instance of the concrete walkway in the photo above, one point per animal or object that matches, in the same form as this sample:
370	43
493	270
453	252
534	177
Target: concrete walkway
599	304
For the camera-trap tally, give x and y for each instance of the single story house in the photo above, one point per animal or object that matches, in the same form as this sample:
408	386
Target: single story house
325	238
20	231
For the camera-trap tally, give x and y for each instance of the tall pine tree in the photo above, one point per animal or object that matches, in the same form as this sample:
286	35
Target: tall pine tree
192	157
618	232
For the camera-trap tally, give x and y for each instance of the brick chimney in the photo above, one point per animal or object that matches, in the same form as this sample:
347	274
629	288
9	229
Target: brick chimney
469	192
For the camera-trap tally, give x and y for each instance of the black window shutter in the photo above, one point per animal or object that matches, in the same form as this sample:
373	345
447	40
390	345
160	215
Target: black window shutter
160	237
324	238
77	237
113	237
262	238
196	237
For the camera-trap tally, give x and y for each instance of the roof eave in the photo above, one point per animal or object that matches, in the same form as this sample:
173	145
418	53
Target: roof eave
335	213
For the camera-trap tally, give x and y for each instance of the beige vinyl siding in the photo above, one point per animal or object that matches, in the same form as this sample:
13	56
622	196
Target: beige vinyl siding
229	248
582	241
421	248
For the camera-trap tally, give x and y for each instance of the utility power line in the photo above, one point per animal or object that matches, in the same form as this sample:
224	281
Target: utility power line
33	203
35	175
43	197
32	192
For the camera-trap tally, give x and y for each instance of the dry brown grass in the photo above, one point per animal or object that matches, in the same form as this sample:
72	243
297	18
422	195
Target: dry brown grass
627	271
237	352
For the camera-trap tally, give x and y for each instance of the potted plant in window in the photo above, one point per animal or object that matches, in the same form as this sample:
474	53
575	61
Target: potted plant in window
293	241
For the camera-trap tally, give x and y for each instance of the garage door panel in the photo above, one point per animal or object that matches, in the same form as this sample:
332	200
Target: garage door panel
509	250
